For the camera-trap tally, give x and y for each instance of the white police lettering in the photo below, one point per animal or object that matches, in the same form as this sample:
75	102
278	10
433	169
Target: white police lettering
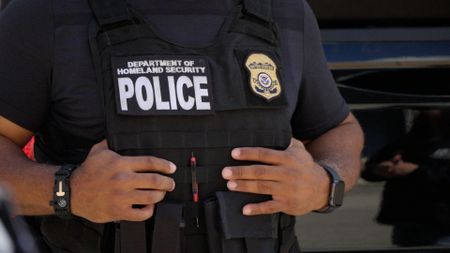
126	91
141	84
185	104
151	85
201	92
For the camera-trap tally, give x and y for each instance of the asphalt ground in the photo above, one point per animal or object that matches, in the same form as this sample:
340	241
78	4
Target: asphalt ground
351	227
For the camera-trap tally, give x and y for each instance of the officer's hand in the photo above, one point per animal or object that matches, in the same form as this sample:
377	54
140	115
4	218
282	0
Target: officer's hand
296	183
106	185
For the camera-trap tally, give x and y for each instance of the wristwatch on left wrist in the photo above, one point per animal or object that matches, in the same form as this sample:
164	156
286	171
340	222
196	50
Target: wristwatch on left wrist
61	191
337	190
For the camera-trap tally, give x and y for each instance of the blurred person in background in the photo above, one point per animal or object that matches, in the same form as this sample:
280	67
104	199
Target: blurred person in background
416	168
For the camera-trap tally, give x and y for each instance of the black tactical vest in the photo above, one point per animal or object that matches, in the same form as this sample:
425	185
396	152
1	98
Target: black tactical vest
178	102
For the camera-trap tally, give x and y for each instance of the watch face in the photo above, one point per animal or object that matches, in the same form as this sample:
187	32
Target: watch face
339	190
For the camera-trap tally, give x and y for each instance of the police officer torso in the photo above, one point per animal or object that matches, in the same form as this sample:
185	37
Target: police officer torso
197	102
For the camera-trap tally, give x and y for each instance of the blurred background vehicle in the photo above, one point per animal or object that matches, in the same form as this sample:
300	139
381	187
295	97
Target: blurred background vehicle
391	60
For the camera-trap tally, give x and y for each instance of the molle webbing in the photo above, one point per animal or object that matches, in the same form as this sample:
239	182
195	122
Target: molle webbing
190	140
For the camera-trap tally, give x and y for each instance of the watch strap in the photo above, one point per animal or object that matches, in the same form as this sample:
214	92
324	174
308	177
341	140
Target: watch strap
335	180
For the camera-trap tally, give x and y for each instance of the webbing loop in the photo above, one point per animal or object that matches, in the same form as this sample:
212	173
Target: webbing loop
261	9
111	12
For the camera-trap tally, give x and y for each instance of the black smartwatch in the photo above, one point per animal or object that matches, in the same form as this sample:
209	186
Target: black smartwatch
337	190
61	191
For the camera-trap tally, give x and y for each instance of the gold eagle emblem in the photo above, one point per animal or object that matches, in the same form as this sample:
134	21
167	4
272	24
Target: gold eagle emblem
264	80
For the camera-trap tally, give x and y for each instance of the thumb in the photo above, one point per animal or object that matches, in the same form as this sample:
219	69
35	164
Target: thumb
296	144
100	146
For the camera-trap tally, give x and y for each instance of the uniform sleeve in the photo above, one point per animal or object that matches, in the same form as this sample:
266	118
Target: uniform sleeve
320	106
26	37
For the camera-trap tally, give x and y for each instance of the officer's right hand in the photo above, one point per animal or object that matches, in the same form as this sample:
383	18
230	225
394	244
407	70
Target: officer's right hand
106	186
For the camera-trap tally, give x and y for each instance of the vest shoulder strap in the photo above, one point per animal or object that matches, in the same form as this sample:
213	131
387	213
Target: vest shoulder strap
111	12
259	8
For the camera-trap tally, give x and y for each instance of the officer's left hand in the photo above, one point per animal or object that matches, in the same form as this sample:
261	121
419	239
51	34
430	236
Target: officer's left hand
297	184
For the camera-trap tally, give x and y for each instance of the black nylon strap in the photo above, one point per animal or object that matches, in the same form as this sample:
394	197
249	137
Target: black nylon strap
260	245
259	8
288	238
132	237
110	12
256	30
167	232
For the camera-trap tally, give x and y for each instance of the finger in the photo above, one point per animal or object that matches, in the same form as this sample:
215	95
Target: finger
260	172
152	181
139	214
254	186
267	207
257	154
149	164
140	197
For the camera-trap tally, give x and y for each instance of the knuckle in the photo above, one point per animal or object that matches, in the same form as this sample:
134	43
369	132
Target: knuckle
238	172
150	160
260	170
153	180
263	187
120	181
121	177
260	154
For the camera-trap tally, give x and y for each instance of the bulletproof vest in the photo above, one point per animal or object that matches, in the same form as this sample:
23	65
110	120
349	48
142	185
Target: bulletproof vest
185	103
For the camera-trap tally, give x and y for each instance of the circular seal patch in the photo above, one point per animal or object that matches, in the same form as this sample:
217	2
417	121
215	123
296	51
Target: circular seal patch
264	80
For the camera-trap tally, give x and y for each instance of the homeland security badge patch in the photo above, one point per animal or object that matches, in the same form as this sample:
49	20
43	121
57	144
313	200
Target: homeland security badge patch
264	80
162	85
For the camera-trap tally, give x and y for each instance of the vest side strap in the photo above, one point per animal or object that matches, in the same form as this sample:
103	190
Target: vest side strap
132	237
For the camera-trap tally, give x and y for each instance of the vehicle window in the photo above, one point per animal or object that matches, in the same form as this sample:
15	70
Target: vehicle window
391	61
365	13
402	200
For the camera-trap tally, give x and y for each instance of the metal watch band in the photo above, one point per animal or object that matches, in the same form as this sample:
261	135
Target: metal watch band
336	190
61	191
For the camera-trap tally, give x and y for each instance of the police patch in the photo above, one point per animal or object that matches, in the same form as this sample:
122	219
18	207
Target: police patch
162	85
263	76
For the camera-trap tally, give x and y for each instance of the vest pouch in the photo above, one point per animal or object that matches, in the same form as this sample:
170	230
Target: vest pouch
76	234
169	224
229	231
289	243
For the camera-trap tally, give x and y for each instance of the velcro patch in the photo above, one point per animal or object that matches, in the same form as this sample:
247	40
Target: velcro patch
162	85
